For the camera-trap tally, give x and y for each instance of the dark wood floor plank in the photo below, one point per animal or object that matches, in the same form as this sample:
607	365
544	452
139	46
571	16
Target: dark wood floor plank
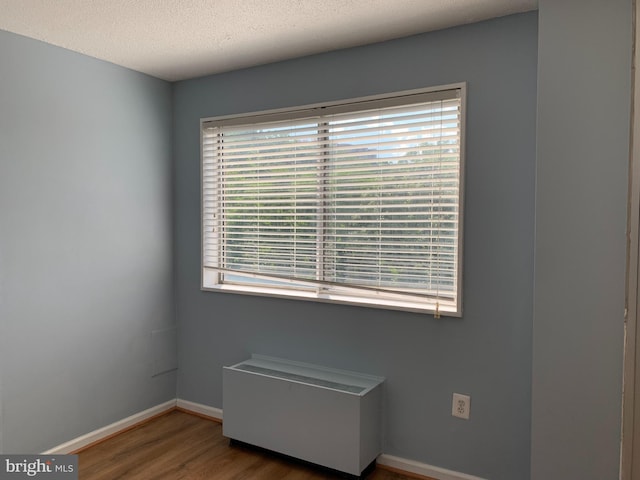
179	446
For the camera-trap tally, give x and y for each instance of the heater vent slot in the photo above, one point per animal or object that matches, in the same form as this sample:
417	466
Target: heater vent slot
301	378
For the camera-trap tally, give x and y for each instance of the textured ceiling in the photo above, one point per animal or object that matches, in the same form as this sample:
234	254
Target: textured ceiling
179	39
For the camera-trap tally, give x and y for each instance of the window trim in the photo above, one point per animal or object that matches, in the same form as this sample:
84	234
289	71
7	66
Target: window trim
339	106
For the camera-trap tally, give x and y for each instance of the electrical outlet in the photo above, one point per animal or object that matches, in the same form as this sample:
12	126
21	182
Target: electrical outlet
461	406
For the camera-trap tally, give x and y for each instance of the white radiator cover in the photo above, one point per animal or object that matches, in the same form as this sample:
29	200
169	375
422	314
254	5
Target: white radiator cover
325	416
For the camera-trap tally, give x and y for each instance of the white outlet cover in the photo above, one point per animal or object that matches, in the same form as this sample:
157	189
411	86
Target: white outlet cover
461	406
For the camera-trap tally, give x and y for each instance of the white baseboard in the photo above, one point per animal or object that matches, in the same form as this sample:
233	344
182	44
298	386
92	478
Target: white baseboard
422	468
200	409
410	466
99	434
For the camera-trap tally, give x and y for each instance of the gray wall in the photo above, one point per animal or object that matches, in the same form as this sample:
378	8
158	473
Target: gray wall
85	242
487	353
584	75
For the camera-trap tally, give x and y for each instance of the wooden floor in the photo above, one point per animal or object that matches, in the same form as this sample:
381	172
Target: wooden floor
182	446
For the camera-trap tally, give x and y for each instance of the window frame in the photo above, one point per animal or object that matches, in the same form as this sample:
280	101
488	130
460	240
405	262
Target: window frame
208	283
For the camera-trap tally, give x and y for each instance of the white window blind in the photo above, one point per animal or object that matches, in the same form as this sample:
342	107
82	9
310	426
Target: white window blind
357	203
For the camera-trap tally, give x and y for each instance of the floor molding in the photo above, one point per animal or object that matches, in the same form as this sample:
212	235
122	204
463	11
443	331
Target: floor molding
199	409
422	470
101	434
390	462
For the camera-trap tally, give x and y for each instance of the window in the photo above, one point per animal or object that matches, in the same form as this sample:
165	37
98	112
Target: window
357	202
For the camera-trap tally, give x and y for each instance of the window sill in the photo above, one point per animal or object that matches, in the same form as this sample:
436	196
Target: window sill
447	310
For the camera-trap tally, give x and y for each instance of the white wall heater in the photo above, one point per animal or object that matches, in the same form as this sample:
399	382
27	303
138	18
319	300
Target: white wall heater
321	415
